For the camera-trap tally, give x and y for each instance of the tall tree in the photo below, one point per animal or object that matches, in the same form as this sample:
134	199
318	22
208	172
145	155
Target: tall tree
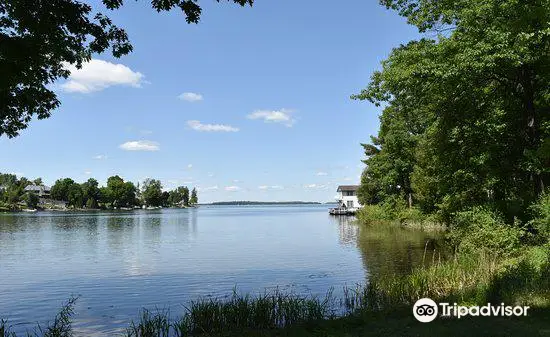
152	192
91	193
38	39
479	92
193	199
119	193
75	196
185	195
60	190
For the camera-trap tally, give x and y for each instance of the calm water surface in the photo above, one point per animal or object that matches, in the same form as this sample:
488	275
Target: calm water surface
119	262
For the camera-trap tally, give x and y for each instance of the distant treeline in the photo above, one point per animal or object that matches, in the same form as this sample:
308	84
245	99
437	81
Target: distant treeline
116	194
265	203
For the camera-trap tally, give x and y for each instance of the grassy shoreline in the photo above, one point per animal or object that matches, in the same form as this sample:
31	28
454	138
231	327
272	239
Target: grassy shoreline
278	314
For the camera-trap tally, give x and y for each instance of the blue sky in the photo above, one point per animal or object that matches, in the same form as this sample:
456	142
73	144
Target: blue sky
250	104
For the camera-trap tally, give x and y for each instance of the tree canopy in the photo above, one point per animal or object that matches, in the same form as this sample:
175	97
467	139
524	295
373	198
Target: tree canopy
38	39
467	113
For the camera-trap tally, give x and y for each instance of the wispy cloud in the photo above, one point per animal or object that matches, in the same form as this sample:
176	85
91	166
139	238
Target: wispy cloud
190	166
198	126
87	173
315	186
140	145
282	116
232	188
206	189
322	174
97	75
190	97
100	157
274	187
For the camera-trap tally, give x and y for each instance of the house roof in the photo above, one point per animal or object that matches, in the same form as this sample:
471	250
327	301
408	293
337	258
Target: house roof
37	188
343	188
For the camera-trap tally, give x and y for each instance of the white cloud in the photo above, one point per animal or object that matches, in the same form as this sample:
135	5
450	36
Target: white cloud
206	189
274	116
100	157
315	186
97	75
322	174
190	166
198	126
232	188
210	174
87	173
274	187
190	97
140	145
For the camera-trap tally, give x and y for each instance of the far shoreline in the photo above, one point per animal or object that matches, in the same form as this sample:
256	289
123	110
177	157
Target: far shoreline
217	203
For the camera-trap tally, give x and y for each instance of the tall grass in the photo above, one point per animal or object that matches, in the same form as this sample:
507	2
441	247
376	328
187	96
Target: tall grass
238	313
60	327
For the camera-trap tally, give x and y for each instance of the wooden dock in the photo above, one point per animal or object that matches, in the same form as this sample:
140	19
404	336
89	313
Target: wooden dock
342	211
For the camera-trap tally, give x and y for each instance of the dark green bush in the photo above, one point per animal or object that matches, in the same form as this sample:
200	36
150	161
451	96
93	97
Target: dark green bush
480	229
541	217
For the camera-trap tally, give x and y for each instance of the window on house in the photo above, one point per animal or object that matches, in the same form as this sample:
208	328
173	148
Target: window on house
350	203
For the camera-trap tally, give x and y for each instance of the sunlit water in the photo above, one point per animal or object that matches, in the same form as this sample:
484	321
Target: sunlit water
119	262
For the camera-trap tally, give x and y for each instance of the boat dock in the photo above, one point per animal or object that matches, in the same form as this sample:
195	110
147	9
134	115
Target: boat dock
342	211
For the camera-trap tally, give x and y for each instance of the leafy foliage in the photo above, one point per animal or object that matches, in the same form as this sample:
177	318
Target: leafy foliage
179	196
31	199
151	192
119	193
466	119
483	230
193	199
60	190
541	216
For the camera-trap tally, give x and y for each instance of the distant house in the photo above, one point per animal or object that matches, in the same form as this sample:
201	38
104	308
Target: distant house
347	196
40	190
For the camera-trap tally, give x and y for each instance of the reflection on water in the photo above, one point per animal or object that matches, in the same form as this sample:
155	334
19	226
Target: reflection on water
390	250
118	262
347	229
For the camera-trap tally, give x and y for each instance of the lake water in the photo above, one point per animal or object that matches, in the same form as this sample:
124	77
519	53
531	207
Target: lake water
119	262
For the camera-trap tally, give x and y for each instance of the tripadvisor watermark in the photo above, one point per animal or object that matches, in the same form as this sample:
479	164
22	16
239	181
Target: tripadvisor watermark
426	310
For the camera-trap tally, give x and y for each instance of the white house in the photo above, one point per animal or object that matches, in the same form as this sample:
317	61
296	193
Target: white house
347	196
40	190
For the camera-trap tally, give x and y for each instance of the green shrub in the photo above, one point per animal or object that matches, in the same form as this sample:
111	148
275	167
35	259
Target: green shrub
372	214
541	217
31	199
411	214
481	229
